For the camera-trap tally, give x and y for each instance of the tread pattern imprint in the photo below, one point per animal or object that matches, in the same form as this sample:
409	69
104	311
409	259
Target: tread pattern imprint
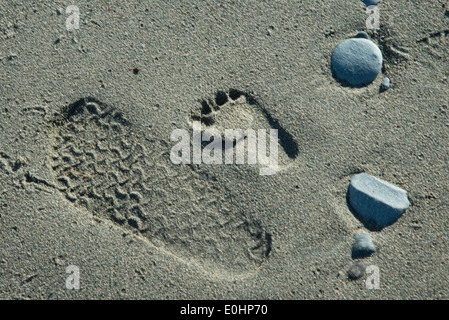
102	164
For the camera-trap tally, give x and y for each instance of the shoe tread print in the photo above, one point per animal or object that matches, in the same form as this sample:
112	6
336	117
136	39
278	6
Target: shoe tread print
101	163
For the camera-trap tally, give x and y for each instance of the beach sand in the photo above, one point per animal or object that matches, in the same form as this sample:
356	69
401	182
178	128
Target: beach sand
86	178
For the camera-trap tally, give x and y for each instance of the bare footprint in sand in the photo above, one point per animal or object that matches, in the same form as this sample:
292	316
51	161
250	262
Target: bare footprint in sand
240	112
105	164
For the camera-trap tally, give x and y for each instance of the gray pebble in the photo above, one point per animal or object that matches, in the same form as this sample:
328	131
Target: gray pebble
371	2
376	203
385	85
362	34
363	245
356	271
357	61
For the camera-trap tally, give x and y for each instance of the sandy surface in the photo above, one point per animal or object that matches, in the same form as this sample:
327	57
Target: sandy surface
86	178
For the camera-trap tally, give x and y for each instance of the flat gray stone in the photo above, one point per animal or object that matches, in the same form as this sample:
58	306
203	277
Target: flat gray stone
371	2
377	203
357	61
363	245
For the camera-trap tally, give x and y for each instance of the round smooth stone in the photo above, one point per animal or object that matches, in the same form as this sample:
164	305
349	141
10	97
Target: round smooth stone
356	271
362	34
357	61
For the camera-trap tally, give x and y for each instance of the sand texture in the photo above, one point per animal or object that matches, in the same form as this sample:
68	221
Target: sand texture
86	177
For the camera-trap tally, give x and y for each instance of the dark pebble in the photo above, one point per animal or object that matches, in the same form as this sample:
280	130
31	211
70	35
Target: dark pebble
356	271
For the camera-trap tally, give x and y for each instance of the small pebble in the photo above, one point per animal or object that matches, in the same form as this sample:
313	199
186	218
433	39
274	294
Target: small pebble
356	271
362	34
385	85
377	203
363	245
371	2
357	61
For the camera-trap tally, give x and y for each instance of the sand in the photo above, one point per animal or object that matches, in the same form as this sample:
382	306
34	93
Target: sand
86	179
